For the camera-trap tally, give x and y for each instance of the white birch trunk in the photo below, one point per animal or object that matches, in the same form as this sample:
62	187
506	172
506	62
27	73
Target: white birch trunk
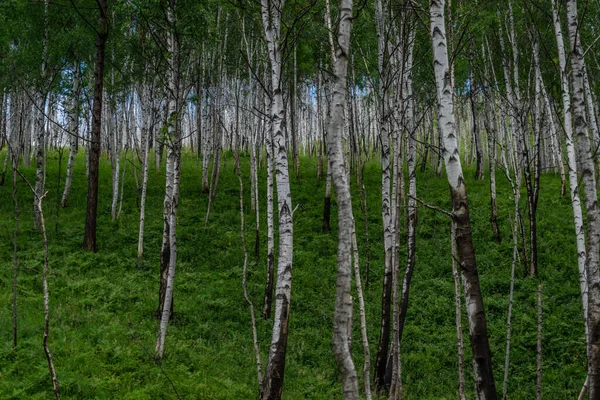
335	128
146	119
40	125
482	360
266	313
584	153
73	135
273	381
173	173
386	213
572	164
116	155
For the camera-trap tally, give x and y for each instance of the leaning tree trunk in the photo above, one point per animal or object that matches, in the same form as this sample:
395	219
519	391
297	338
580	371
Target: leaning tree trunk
273	380
482	356
591	201
342	316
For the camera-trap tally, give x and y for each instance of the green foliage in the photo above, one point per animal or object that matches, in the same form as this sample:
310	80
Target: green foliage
102	305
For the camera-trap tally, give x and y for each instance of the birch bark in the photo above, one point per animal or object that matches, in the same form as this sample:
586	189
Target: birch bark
586	164
40	124
271	12
146	119
384	331
73	135
482	357
335	127
173	173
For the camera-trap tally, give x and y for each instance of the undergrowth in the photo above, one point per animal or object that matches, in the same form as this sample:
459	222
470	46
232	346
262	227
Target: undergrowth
102	305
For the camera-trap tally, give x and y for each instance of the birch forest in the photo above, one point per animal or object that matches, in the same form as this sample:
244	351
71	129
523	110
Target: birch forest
425	173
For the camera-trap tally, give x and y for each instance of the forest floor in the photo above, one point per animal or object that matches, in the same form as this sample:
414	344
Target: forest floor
102	305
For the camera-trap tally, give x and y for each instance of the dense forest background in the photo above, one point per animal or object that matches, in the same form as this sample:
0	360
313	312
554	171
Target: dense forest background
168	166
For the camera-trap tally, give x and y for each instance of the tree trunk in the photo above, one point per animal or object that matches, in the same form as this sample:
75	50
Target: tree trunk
268	300
146	119
343	304
274	374
173	169
116	163
89	239
572	169
15	165
591	200
73	135
384	332
475	127
482	357
40	128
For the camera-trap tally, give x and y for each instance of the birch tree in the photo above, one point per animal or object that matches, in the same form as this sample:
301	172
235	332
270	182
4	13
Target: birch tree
145	145
382	63
40	122
271	12
572	165
586	163
482	357
173	170
73	134
342	317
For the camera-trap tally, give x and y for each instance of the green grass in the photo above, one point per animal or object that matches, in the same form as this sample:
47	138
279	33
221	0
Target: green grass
102	325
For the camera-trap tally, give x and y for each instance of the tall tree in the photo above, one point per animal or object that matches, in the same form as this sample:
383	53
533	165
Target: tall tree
482	356
342	317
91	213
271	12
173	170
586	163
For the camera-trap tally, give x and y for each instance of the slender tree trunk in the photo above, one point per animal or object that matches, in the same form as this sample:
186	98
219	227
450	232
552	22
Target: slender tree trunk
173	163
384	332
245	273
458	316
475	127
116	163
89	239
146	119
363	320
482	357
492	140
73	135
15	166
401	309
516	194
40	121
206	159
327	199
266	313
539	345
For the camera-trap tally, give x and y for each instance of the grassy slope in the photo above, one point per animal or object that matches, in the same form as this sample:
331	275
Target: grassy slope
102	305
